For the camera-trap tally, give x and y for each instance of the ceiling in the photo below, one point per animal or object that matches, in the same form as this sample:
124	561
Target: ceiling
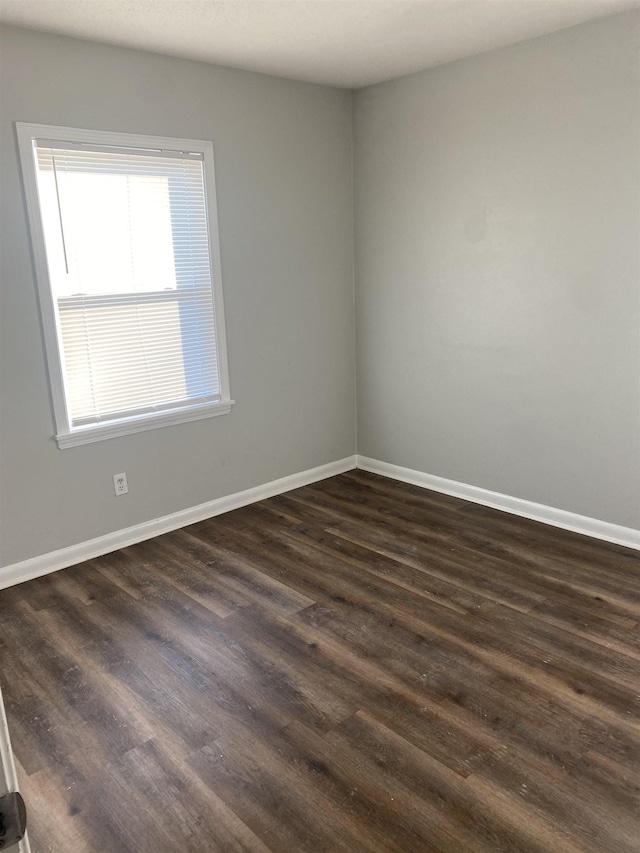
346	43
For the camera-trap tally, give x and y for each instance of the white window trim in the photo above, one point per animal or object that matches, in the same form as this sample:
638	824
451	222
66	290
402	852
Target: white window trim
68	436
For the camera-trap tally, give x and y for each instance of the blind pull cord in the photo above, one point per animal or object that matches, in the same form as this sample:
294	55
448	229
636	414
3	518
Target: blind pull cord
64	242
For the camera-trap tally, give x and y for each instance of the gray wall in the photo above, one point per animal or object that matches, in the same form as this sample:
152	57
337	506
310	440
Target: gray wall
283	167
497	266
497	249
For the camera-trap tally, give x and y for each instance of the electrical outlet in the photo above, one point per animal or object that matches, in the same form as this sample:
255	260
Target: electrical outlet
120	484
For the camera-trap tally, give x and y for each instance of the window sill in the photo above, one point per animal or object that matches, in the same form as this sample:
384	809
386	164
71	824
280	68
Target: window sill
127	426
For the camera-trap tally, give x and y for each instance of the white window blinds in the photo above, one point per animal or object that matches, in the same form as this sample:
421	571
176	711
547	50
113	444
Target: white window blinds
127	245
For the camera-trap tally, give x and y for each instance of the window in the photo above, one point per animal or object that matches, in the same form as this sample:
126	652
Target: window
125	240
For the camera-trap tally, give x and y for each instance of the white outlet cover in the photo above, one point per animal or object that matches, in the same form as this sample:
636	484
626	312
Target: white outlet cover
120	484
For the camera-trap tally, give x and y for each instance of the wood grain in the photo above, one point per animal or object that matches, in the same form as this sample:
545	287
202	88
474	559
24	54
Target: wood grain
357	665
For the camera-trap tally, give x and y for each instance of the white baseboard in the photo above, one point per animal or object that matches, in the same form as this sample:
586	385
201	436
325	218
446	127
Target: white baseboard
627	536
55	560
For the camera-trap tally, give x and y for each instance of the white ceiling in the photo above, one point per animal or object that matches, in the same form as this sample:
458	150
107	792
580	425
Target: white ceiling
348	43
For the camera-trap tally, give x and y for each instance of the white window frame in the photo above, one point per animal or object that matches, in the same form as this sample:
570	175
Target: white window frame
67	435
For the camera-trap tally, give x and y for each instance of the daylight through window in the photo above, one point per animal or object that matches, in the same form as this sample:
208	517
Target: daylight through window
126	234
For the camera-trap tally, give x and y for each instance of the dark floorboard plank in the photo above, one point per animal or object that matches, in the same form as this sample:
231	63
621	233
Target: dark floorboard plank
368	591
283	793
356	665
586	550
424	794
477	702
476	571
578	805
495	582
507	537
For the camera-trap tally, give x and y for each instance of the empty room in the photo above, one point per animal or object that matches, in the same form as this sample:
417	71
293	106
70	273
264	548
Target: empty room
320	426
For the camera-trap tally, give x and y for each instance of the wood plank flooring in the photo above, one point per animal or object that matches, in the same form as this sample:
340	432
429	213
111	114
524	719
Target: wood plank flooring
358	665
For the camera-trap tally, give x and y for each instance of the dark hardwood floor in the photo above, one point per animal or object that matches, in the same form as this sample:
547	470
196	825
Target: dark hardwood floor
358	665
